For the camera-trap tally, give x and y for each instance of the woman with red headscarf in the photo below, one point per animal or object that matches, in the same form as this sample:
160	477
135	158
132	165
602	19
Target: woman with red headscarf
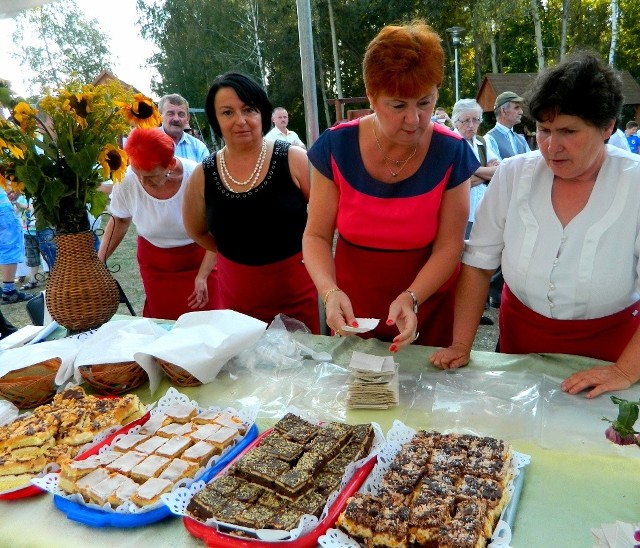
177	274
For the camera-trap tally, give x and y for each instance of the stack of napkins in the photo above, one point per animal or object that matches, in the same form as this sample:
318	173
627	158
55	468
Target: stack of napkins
615	535
373	382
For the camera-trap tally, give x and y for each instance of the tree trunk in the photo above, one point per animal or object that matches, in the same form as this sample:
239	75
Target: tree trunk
535	14
614	32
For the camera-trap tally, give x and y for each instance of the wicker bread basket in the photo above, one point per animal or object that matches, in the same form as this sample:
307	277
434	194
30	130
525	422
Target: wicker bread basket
31	386
113	379
177	375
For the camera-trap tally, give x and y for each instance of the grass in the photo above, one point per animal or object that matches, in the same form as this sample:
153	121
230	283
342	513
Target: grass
123	265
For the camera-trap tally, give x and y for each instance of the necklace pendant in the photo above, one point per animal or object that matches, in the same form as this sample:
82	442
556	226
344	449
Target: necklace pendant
393	174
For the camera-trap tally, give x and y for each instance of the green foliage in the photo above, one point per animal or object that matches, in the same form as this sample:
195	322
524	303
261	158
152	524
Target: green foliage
199	39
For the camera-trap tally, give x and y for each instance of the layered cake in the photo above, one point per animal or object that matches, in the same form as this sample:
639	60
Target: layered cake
439	491
151	461
290	473
54	432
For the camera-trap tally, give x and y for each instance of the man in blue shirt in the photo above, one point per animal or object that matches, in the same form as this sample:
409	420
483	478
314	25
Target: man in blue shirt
174	110
507	143
631	131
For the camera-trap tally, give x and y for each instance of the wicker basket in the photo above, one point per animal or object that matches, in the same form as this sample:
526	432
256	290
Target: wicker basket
81	293
113	379
177	375
31	386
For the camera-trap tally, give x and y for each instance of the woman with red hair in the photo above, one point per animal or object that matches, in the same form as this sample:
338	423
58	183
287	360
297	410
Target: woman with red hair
177	274
396	186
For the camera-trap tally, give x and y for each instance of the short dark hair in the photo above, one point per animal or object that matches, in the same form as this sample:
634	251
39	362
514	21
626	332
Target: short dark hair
249	92
582	85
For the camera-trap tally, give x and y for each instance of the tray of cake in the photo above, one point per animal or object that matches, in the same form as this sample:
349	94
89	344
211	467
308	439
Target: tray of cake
119	482
433	489
37	443
290	485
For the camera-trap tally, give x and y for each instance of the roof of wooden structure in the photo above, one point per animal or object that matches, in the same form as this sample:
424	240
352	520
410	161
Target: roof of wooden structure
494	84
106	76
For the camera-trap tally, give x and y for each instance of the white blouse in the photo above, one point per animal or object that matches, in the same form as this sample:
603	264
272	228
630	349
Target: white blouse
158	221
588	269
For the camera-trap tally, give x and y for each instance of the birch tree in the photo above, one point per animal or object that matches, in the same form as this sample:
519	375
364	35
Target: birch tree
58	42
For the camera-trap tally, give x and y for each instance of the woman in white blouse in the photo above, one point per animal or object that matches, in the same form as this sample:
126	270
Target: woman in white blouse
564	222
177	274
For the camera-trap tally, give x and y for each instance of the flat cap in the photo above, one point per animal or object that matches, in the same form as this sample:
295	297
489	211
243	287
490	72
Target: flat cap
505	97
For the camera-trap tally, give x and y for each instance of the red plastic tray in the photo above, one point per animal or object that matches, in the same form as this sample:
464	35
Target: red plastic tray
32	490
216	539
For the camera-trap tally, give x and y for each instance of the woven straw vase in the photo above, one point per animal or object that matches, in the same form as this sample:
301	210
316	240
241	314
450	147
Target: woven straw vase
81	293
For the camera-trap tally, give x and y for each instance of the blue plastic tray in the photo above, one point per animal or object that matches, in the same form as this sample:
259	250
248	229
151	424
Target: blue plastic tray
99	518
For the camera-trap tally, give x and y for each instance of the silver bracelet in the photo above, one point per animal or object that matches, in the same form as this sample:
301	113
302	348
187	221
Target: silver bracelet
415	300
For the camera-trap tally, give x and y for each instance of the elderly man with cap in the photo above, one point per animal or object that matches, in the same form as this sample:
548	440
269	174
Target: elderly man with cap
508	111
502	139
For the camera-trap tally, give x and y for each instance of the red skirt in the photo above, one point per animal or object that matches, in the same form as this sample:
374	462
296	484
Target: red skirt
523	331
373	279
265	291
168	276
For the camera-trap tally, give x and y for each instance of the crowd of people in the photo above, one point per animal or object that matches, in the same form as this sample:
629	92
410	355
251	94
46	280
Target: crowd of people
404	214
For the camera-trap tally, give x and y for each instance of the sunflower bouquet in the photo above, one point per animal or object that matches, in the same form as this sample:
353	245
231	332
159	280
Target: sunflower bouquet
60	152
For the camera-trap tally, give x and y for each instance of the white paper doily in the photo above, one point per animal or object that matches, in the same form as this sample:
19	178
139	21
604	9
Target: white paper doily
398	435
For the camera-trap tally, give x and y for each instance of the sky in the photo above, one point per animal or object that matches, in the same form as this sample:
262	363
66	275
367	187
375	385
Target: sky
117	19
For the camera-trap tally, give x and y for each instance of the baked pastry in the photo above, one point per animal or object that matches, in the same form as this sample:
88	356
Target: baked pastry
440	490
126	462
174	447
179	412
179	469
200	453
150	467
149	492
152	444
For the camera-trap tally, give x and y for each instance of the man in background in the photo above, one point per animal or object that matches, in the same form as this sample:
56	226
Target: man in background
174	110
502	138
506	143
280	119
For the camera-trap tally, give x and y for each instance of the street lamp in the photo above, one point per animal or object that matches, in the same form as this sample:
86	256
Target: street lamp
455	36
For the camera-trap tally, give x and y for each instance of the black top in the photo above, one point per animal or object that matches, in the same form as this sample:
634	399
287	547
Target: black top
263	225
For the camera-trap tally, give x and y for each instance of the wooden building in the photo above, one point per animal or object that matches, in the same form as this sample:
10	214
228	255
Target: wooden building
494	84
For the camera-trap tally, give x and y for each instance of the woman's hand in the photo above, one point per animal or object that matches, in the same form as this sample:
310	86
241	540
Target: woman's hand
457	355
339	312
200	296
603	378
401	314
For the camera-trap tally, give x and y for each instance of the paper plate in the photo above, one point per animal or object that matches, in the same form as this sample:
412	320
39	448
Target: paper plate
364	325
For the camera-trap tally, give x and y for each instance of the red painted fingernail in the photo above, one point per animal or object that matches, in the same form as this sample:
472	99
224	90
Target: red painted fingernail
354	324
393	348
389	322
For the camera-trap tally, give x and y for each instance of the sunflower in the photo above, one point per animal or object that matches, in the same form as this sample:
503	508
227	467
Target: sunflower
25	116
78	104
114	163
142	112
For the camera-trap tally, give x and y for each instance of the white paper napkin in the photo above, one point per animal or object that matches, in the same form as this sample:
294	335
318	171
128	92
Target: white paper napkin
117	342
23	356
201	343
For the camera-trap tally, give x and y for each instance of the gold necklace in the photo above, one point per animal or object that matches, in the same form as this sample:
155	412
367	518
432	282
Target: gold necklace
398	163
255	174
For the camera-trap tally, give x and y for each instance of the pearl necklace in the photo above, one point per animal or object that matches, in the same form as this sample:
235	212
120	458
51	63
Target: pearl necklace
255	174
398	163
